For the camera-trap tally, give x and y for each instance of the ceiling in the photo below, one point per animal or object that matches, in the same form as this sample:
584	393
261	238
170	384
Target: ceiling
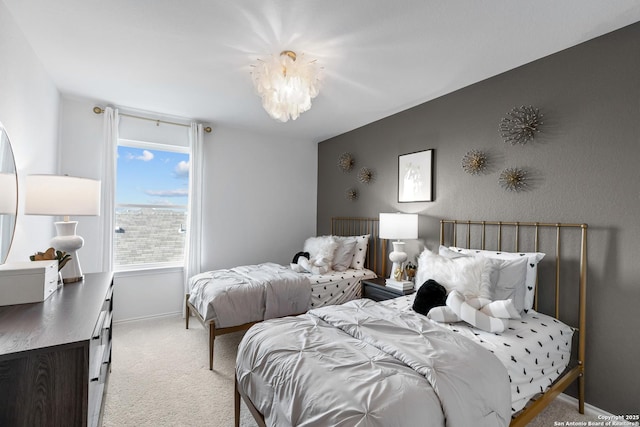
192	58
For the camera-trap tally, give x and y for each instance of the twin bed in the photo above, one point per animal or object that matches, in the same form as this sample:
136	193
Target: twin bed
381	364
234	299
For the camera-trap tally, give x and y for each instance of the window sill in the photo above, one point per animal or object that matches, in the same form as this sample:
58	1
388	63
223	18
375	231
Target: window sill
145	270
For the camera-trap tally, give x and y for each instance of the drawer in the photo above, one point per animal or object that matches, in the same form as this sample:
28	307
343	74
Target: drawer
96	394
378	294
108	301
376	291
100	359
50	280
100	346
105	335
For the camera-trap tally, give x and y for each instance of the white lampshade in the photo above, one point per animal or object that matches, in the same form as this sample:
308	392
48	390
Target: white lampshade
57	195
8	193
398	226
62	195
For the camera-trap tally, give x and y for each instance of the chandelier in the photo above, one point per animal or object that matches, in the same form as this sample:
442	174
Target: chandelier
286	84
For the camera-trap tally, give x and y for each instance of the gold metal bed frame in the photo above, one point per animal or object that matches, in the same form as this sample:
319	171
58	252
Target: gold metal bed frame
481	232
498	229
340	226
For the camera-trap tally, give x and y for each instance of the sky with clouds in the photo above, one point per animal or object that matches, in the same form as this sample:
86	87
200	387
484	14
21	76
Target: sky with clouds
152	177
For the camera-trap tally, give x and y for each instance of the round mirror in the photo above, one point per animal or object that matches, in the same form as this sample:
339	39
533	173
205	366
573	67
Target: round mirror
8	195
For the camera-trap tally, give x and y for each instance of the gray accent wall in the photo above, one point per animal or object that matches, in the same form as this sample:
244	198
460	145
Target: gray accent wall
583	167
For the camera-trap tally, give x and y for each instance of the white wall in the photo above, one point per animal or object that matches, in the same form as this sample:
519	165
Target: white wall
80	155
259	203
260	191
144	294
260	198
29	110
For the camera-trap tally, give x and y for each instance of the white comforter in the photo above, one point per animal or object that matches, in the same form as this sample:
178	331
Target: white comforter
366	364
249	293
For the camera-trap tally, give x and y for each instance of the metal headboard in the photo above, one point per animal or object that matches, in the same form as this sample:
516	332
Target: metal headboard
355	226
513	236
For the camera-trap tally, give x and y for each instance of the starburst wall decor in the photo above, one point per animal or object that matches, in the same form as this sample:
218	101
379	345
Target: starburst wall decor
513	179
351	194
474	162
520	125
346	162
365	175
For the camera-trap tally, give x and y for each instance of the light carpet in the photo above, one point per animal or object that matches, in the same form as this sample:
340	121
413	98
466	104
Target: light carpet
160	377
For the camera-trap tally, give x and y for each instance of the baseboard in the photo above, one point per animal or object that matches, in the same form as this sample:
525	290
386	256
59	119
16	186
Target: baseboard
589	410
155	316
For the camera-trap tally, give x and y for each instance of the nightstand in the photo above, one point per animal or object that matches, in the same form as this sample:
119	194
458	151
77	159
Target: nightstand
375	289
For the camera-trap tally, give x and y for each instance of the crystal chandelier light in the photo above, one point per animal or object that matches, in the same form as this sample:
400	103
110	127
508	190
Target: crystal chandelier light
287	84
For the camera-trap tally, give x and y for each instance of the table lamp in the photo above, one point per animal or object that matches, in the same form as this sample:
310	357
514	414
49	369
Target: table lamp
398	226
65	196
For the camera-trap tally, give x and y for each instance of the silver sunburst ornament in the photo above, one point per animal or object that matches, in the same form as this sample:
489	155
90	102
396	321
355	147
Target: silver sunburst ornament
365	175
520	125
351	194
345	162
474	162
513	179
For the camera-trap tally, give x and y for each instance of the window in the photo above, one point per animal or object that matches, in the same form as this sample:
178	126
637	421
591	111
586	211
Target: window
151	205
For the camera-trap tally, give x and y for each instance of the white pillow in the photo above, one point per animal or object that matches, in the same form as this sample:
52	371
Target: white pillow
503	309
343	256
458	304
489	317
448	253
471	276
533	258
443	314
321	248
508	276
510	279
360	252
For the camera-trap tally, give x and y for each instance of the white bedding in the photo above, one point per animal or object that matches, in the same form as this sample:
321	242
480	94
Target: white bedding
365	364
232	297
337	287
535	349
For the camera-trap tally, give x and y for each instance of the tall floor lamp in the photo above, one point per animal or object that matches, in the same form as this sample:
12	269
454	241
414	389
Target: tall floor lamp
398	226
65	196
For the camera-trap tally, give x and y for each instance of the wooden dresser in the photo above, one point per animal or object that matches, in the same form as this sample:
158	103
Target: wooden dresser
55	356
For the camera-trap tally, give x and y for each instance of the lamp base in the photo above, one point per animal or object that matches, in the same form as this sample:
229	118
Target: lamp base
69	242
397	257
72	279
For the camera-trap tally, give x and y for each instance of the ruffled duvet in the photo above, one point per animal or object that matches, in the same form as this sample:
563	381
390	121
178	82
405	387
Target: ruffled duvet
366	364
249	293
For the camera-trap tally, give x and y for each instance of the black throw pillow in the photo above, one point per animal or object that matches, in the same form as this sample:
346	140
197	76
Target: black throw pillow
431	294
298	255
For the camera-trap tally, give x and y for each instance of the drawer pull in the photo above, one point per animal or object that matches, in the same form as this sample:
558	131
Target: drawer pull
108	320
109	294
106	356
98	328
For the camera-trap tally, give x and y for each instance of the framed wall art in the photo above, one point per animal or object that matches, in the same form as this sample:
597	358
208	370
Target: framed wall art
415	177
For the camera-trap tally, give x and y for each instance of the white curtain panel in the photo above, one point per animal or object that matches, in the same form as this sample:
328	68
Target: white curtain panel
109	155
193	244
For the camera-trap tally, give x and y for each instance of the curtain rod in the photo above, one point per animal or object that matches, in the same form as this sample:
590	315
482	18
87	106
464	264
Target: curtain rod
99	110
